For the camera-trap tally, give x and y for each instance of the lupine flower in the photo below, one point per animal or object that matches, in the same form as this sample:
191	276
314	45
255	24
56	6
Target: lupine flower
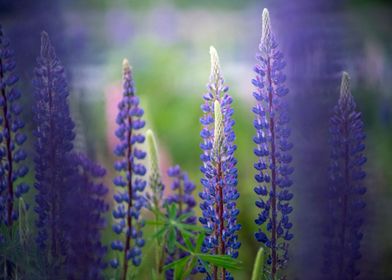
219	195
11	136
272	151
54	135
85	220
342	249
54	169
131	180
182	196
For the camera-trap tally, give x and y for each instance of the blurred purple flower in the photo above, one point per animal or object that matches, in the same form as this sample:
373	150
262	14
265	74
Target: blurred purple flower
345	215
54	135
11	137
85	220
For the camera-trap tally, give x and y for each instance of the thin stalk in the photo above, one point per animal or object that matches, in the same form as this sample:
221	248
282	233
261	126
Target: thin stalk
129	218
273	176
219	210
159	252
345	199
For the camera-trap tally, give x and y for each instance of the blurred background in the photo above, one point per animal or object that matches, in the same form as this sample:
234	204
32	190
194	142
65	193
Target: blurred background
167	44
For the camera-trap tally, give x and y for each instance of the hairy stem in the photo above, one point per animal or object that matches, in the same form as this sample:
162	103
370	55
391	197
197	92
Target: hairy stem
219	210
129	218
273	176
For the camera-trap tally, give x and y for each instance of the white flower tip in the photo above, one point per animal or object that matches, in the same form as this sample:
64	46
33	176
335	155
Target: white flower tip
345	85
214	60
149	133
266	25
125	64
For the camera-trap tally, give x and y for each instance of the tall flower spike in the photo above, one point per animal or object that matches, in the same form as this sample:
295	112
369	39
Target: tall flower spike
345	213
219	195
273	168
11	137
182	188
54	135
130	181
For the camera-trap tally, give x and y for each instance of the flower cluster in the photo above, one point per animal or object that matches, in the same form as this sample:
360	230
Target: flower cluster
272	151
182	188
342	248
131	181
11	137
54	135
85	252
219	195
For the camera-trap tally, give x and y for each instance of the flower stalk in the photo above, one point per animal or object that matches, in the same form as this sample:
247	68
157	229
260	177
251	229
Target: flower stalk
219	195
130	181
273	168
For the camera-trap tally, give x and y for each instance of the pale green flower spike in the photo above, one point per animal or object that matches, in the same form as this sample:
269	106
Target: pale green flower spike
216	79
218	129
155	175
258	267
23	224
345	86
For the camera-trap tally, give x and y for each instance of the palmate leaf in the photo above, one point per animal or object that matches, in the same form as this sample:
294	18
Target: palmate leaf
184	266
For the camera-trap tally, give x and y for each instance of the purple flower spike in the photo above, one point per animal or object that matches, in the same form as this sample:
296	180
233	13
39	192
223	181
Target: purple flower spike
183	189
273	168
54	135
11	137
219	195
131	181
342	248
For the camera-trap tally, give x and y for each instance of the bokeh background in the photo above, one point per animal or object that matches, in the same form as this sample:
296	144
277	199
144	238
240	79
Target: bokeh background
167	43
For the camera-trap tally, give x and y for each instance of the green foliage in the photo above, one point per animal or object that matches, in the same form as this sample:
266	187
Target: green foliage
172	227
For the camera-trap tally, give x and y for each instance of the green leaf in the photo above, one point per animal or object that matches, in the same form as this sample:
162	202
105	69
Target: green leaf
171	265
258	267
171	240
155	223
160	233
221	261
188	243
199	242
